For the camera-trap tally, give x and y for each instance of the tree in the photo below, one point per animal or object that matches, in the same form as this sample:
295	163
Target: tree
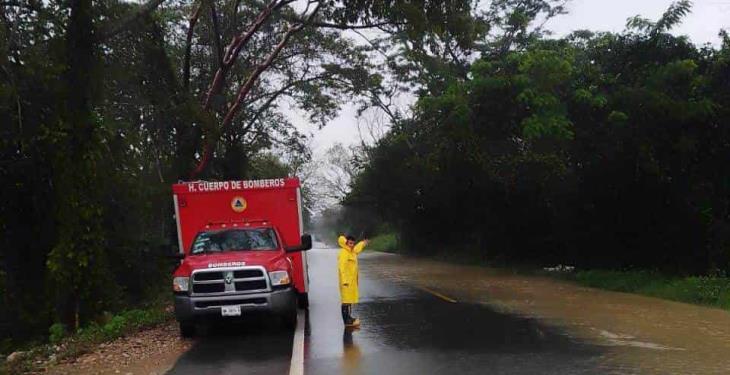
599	149
103	105
316	15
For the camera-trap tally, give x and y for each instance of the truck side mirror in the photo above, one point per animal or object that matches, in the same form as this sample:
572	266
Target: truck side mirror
306	245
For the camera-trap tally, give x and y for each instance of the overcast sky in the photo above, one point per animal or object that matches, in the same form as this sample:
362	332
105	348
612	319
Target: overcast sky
702	26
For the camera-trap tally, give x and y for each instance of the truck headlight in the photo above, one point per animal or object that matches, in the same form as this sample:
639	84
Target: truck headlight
279	278
180	284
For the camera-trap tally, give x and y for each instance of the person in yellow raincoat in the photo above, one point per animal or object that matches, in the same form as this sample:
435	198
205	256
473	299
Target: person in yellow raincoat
348	275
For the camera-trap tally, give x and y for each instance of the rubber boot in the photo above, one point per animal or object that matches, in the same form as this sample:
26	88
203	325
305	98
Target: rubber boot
346	318
350	321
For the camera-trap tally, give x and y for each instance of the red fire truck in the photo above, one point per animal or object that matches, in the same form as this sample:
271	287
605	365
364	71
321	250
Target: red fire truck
241	249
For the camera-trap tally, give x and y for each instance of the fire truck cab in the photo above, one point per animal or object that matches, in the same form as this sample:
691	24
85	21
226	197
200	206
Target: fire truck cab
241	249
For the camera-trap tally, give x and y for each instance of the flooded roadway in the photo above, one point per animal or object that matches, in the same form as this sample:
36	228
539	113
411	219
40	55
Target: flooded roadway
407	330
426	317
635	334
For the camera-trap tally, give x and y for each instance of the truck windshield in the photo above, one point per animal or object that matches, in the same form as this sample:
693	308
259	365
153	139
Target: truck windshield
235	240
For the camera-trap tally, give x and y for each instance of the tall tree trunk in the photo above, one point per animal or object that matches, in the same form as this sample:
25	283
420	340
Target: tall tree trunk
80	63
77	247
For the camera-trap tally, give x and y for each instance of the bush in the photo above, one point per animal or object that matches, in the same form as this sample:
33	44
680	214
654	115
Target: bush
56	333
711	291
384	242
123	323
620	281
144	318
115	327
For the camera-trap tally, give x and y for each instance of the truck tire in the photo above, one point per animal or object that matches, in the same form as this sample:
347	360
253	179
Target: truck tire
303	300
289	319
187	329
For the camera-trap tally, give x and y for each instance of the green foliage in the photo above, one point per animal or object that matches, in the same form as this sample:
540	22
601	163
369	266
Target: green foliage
267	166
617	118
620	281
711	291
123	323
672	17
84	212
597	150
114	327
56	332
141	318
96	128
387	242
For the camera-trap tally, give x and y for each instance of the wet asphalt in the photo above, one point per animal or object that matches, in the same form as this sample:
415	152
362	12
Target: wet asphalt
404	330
259	345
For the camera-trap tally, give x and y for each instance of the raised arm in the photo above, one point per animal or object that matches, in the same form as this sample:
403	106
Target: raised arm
342	241
360	246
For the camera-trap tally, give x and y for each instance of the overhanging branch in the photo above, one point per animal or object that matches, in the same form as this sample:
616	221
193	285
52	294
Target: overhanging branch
119	26
245	89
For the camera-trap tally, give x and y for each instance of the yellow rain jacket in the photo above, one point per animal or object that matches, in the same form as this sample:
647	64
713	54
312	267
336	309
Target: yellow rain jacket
347	270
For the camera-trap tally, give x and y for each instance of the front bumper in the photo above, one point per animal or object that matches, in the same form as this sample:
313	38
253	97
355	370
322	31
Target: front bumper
279	302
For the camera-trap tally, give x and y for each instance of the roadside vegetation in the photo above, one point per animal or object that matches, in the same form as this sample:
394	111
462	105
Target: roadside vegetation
105	104
63	344
712	291
602	151
701	290
598	150
386	242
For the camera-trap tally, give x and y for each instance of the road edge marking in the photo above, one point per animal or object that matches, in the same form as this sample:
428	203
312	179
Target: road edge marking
437	294
297	352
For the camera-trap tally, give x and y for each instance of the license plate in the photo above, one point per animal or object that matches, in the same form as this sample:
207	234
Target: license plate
231	310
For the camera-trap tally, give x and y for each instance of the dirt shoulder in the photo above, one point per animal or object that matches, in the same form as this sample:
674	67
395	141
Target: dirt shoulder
653	335
149	351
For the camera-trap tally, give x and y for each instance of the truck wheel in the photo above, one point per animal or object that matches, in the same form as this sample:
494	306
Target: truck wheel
289	319
303	300
187	329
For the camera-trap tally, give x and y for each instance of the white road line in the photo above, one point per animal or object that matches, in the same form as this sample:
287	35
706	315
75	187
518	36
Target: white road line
297	351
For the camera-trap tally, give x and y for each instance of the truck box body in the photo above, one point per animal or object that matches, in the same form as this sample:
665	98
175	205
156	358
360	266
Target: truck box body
224	270
274	201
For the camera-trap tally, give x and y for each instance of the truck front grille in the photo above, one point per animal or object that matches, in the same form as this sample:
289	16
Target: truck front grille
242	274
247	301
250	285
207	276
209	288
230	280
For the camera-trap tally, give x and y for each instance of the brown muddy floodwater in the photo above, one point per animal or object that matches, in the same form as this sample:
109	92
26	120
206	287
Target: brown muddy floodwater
649	334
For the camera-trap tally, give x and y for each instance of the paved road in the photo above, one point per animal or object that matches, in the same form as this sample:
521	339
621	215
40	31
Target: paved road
405	331
411	331
258	346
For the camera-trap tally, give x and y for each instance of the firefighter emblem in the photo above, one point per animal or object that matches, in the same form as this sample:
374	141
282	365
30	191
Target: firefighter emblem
238	204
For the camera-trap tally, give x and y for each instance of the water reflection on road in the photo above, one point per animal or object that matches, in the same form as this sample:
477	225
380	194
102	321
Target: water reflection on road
632	333
408	331
257	345
500	324
350	352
